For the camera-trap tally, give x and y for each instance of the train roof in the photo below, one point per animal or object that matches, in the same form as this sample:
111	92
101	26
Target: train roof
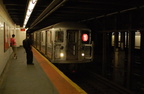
70	25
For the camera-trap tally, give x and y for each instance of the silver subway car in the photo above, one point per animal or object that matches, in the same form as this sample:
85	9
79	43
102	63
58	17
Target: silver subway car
65	42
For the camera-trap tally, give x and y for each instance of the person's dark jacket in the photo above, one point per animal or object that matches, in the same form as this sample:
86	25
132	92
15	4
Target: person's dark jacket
27	44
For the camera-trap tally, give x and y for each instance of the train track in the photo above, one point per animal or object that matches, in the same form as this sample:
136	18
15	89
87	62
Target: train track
92	83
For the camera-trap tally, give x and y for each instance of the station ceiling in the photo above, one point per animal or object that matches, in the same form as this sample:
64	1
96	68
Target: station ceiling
48	12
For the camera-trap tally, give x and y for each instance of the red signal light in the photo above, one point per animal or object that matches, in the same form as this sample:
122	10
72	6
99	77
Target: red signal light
84	37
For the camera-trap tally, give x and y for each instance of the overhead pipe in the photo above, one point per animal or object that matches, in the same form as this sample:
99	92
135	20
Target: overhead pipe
54	5
48	8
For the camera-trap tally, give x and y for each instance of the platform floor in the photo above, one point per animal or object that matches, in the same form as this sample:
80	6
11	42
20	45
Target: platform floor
40	78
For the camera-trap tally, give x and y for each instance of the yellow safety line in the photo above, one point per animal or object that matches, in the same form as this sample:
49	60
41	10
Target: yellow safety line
63	75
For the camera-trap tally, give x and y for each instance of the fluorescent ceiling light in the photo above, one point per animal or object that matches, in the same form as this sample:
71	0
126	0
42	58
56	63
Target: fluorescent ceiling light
30	8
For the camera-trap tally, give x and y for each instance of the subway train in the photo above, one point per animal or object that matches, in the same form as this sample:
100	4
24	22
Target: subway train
64	42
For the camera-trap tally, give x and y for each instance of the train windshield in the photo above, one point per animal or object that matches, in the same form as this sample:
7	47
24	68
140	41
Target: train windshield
59	35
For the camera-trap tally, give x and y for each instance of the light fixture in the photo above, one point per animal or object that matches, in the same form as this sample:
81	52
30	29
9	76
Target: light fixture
30	8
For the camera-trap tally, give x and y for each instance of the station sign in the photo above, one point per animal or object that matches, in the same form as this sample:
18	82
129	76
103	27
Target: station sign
84	37
22	29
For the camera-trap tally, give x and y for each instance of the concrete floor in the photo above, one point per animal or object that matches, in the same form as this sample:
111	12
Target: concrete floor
20	78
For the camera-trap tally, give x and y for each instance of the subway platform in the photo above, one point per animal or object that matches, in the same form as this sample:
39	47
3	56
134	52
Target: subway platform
40	78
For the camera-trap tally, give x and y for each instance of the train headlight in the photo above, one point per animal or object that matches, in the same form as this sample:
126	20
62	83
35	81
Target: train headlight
83	54
61	54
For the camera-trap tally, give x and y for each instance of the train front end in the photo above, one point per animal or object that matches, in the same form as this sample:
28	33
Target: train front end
86	47
79	48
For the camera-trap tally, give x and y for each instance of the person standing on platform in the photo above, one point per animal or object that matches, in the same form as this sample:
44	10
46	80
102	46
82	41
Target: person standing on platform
13	45
27	44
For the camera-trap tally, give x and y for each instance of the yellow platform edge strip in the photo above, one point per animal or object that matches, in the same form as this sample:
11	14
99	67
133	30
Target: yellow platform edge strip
63	75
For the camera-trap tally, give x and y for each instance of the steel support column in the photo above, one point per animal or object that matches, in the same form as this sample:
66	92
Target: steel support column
130	57
142	53
106	56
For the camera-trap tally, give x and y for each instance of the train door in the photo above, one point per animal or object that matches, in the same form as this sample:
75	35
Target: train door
38	41
58	46
34	39
43	37
72	45
49	45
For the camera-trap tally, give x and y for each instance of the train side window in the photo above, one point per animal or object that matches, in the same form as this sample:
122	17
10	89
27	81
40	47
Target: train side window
59	36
